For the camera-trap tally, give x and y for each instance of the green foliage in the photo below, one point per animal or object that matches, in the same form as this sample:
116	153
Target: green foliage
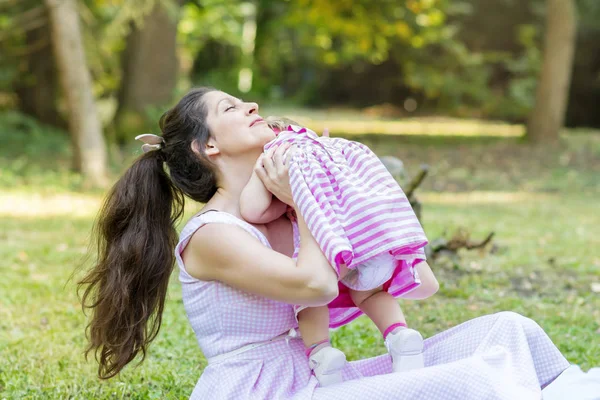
215	21
106	24
210	42
345	31
14	18
525	69
32	139
588	12
456	77
304	46
464	82
33	154
353	52
306	41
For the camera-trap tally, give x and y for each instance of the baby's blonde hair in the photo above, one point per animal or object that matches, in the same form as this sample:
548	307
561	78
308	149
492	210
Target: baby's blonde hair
280	123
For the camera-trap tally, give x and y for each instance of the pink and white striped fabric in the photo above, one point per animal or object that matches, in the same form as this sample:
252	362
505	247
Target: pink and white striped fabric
358	214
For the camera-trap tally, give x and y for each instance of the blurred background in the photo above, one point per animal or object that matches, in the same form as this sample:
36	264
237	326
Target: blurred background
495	103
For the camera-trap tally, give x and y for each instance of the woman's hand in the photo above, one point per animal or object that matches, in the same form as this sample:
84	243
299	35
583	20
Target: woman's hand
272	169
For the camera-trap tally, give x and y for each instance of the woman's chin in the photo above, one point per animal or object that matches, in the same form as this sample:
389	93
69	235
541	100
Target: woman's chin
262	141
269	135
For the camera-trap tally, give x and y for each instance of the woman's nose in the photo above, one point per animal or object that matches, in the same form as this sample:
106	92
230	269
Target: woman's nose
252	108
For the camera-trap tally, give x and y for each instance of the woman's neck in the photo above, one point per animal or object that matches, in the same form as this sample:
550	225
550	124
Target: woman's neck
234	175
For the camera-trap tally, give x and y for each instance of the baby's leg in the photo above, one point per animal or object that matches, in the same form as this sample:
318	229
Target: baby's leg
380	307
429	284
313	323
404	345
325	361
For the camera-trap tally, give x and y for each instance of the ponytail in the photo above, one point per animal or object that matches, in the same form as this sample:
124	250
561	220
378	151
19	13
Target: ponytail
126	289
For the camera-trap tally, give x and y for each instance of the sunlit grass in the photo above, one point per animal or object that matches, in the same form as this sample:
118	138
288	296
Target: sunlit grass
479	197
355	121
545	262
31	205
541	203
417	128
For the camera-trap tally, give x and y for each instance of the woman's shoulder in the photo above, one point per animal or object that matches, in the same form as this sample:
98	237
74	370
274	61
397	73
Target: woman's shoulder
211	238
218	219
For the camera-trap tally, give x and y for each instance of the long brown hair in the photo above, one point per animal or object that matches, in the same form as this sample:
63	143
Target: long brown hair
135	237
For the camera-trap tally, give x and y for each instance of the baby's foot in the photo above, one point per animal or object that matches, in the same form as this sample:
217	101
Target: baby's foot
406	348
327	364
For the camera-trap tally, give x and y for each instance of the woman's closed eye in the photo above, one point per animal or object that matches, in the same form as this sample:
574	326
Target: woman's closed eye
229	108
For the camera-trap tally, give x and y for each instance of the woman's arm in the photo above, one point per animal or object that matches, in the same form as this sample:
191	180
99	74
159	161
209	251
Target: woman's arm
229	254
257	204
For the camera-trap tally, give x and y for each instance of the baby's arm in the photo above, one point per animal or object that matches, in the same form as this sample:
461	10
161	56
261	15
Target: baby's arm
258	205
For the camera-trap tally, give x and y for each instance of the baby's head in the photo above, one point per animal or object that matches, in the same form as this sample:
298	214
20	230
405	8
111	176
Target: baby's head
279	124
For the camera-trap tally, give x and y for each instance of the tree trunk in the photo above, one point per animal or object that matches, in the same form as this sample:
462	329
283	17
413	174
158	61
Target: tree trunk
548	115
150	68
76	83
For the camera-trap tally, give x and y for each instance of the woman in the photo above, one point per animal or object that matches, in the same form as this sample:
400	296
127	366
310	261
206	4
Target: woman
239	280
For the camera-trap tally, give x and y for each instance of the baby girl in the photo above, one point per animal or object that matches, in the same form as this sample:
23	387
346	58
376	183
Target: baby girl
366	228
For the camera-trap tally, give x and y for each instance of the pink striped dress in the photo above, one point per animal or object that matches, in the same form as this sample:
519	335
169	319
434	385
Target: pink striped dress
358	214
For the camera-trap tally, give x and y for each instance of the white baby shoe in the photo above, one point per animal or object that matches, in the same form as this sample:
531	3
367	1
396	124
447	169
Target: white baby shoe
406	348
327	365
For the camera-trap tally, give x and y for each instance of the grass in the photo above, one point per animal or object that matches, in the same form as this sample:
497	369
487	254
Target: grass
540	202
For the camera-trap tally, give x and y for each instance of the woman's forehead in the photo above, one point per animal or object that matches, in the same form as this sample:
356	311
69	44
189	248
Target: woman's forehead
215	97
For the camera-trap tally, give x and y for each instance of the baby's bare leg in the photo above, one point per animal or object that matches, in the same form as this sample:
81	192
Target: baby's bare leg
429	284
379	306
404	345
325	361
313	323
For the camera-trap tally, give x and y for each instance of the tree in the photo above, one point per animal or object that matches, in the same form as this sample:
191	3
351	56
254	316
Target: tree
74	76
552	93
149	64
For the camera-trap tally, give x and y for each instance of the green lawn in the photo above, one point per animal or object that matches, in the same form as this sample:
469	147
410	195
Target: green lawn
541	203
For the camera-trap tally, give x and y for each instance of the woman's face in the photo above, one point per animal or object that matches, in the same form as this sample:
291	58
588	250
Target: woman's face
235	126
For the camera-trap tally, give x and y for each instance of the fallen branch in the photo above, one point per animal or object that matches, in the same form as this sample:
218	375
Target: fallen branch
460	240
416	181
484	243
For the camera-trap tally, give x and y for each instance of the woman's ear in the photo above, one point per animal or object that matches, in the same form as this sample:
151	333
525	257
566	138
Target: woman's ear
210	149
